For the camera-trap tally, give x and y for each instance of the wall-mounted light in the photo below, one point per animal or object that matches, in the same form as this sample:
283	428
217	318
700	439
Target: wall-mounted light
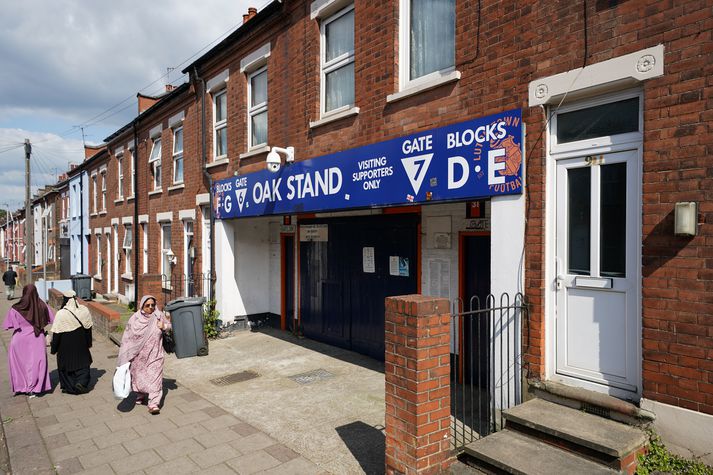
686	219
273	160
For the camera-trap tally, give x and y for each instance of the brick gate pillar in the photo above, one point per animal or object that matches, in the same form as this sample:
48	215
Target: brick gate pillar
417	371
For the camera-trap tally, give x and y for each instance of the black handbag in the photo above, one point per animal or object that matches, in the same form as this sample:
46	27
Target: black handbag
169	344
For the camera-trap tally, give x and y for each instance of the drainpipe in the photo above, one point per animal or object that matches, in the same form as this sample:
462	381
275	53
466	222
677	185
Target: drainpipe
81	220
134	165
209	178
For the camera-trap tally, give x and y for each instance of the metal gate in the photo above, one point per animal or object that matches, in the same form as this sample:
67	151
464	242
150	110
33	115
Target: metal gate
485	364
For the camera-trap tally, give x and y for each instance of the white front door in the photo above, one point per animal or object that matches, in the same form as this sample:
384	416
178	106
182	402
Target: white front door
596	283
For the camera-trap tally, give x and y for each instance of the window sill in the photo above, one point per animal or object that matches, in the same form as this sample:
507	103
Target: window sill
334	117
155	192
97	277
130	198
120	200
93	215
102	213
255	151
217	163
127	276
424	86
178	186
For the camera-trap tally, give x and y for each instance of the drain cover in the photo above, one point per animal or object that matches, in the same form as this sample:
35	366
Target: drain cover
234	378
312	376
111	357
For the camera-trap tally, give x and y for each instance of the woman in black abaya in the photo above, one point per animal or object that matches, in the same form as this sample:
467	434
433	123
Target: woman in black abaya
71	341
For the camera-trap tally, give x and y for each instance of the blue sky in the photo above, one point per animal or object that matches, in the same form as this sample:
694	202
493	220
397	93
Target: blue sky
65	63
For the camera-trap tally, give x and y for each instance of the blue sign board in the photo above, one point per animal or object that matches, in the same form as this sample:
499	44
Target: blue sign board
473	159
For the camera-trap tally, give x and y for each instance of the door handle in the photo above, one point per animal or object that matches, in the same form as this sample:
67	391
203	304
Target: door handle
558	269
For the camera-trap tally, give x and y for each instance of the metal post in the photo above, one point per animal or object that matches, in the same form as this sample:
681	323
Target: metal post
29	227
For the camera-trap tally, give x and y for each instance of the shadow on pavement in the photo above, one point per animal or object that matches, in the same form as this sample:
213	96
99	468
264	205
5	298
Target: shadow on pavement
129	403
366	443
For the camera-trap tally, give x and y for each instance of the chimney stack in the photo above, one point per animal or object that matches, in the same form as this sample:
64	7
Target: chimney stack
252	11
170	87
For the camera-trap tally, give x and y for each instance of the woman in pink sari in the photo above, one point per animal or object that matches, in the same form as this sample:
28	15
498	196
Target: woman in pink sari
142	346
27	356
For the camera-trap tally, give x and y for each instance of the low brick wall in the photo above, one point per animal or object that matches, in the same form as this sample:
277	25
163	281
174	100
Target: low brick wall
105	319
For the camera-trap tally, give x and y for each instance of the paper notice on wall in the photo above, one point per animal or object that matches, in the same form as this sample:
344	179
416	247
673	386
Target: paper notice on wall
403	266
368	260
394	265
439	278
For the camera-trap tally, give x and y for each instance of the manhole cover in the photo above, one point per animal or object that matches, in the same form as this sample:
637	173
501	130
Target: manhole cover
111	357
312	376
234	378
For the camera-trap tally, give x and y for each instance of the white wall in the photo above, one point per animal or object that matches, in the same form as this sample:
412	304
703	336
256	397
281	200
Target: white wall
507	275
247	267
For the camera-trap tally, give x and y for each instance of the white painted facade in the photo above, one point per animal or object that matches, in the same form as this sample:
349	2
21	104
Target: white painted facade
247	262
79	223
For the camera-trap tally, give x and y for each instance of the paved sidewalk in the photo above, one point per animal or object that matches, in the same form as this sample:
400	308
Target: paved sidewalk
95	433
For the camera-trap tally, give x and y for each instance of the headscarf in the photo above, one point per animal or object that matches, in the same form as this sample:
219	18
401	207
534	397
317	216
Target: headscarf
137	331
33	309
64	320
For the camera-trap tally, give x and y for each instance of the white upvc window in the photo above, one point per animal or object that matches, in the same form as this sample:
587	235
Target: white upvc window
95	193
220	124
103	174
427	36
120	176
178	155
257	108
127	246
166	252
337	62
132	157
155	163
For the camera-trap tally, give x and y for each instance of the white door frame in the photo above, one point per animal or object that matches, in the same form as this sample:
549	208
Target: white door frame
599	145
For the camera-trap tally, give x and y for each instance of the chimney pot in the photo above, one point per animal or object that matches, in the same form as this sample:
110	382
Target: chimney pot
170	87
252	11
246	17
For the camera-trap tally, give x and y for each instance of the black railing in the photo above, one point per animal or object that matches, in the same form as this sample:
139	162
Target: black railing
186	285
486	364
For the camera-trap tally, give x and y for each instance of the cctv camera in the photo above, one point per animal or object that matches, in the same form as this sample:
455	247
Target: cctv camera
273	161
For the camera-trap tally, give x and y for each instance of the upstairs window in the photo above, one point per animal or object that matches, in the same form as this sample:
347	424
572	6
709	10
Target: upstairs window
155	163
178	155
133	170
428	36
337	63
257	108
95	193
103	190
220	125
120	175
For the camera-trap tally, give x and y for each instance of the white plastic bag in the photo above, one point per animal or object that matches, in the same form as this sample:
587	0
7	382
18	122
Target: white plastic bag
121	383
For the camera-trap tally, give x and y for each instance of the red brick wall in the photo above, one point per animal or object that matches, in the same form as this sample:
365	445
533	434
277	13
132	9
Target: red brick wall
417	381
498	54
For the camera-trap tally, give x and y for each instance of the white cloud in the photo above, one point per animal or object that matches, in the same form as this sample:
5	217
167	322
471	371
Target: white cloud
66	61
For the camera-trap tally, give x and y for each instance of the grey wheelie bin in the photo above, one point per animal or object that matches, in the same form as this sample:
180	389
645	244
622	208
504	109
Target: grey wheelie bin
187	320
82	285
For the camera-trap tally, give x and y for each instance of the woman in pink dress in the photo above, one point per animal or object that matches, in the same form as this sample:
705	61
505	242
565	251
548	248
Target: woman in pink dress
27	356
142	346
